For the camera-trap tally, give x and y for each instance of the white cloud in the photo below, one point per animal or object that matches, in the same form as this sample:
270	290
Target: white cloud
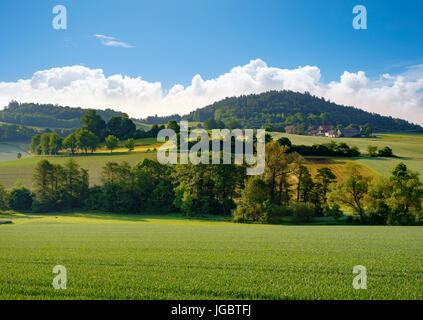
112	42
395	95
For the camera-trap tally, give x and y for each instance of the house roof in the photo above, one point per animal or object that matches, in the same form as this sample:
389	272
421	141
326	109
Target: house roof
325	127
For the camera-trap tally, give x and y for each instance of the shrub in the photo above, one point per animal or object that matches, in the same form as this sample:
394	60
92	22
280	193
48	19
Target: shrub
20	199
334	211
278	213
386	152
302	212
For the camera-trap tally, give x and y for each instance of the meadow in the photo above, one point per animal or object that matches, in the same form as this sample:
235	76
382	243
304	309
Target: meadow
9	151
168	257
22	170
408	148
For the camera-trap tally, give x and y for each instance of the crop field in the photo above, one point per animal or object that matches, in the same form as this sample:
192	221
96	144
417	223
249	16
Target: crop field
408	148
145	257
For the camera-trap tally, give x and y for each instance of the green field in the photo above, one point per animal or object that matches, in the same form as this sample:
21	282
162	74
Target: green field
408	147
22	170
12	169
142	257
9	151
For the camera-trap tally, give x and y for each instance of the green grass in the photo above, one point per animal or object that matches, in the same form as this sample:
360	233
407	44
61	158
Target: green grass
13	170
408	147
9	151
145	257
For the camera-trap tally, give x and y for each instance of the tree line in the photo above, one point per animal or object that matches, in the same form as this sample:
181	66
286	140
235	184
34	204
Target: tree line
91	135
48	115
20	133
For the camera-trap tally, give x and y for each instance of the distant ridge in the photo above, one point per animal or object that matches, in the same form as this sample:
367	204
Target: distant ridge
277	109
48	115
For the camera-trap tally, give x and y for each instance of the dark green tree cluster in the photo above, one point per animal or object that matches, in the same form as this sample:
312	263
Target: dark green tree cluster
19	198
385	152
146	187
285	189
58	187
332	149
47	144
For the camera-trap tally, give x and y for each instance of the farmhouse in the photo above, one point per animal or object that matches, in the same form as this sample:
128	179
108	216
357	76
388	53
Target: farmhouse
323	129
332	134
290	129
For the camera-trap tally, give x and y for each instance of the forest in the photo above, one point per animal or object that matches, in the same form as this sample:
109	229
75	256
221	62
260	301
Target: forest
274	110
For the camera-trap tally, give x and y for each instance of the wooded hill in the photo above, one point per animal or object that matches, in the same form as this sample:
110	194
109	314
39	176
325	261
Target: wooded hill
48	115
276	109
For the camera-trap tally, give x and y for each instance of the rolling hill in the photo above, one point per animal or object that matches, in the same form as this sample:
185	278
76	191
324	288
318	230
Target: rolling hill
276	109
48	115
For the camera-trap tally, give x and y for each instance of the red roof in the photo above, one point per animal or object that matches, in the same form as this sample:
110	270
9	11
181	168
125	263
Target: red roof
325	128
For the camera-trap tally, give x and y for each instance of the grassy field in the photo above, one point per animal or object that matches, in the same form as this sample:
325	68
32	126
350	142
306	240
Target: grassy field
9	151
338	166
408	147
144	257
13	170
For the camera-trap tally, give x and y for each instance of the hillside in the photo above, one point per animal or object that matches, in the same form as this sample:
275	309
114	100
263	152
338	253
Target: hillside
277	109
48	115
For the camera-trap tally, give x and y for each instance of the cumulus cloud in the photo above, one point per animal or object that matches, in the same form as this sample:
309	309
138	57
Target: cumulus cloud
112	42
395	95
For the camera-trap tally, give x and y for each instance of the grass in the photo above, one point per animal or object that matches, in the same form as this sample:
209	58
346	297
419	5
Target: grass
150	257
22	170
9	151
408	147
337	165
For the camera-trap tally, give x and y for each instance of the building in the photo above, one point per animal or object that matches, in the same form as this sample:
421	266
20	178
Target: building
332	134
313	132
323	129
349	133
290	129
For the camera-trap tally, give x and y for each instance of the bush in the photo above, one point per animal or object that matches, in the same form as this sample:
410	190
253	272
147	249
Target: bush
302	212
334	211
386	152
278	213
20	199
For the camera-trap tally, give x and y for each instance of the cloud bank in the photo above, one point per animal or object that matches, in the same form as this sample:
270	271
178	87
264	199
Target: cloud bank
394	95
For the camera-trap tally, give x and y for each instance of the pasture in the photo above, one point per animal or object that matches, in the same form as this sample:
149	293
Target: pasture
168	257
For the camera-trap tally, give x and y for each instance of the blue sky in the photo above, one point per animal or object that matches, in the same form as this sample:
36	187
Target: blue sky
172	41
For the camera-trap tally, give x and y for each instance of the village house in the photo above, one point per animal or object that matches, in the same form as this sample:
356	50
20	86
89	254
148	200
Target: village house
313	132
290	129
323	129
332	134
